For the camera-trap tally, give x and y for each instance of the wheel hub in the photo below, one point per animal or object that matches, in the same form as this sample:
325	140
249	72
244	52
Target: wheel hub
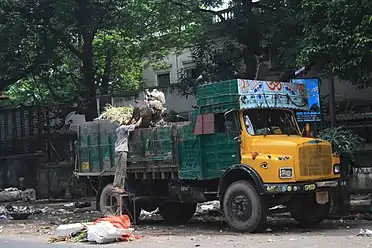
241	208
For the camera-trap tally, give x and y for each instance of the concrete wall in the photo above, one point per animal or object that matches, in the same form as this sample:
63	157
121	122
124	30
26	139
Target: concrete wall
175	64
361	180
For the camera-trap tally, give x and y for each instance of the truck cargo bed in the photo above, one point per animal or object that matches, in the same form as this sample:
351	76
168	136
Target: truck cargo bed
153	152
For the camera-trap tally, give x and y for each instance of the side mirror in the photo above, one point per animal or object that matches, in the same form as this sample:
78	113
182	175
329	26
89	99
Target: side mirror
238	139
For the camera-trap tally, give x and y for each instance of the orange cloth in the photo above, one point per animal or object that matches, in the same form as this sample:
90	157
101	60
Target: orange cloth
120	222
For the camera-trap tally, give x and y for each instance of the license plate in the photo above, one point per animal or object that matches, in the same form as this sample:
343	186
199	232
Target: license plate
322	197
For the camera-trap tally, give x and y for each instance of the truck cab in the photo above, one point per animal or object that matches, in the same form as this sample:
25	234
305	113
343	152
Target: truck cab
281	154
276	165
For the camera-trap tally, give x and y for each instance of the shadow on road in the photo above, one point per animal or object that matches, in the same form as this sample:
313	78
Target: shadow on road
274	226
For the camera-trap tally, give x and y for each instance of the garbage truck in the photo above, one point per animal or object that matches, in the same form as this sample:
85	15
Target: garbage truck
242	147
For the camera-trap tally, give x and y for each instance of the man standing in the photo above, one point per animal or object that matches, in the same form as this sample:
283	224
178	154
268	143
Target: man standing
121	152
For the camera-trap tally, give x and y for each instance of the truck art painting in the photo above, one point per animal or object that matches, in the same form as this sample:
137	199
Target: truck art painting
312	89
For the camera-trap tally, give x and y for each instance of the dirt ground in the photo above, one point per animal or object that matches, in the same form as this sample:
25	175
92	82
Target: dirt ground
52	215
204	229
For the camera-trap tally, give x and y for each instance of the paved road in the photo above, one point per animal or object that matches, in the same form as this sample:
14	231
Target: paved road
256	241
332	234
13	242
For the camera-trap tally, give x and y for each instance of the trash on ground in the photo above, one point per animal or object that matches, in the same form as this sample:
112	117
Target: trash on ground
81	204
69	229
111	229
4	217
10	212
69	205
154	215
211	208
105	230
28	195
14	194
365	233
2	210
19	216
85	204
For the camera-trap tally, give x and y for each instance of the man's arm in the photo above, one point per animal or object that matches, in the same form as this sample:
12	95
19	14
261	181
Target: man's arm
129	128
138	122
132	127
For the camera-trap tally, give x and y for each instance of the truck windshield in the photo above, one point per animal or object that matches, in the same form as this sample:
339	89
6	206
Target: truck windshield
270	122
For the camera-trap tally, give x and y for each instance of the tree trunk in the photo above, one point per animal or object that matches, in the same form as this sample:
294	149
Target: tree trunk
88	78
332	101
250	62
106	75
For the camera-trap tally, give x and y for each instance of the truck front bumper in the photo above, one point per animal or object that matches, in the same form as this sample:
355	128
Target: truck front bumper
303	187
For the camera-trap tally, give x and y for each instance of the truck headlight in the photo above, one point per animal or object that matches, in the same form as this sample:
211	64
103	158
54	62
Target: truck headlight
336	169
285	172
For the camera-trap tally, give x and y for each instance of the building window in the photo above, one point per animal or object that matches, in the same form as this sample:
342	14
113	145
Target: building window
163	79
192	73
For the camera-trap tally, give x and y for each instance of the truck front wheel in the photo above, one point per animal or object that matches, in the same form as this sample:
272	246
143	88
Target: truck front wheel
306	211
176	212
109	204
244	209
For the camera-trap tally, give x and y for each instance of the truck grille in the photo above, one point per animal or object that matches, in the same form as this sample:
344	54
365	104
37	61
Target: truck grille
315	160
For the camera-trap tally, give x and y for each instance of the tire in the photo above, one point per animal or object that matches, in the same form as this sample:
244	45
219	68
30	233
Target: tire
177	213
113	209
306	211
243	208
148	207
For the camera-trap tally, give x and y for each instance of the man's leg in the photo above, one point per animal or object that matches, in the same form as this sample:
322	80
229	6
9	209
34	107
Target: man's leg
118	179
124	160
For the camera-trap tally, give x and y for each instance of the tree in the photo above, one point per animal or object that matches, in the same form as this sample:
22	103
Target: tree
95	33
236	47
337	38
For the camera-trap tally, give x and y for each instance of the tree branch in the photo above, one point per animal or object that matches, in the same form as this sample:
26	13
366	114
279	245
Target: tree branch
39	60
65	42
217	13
101	18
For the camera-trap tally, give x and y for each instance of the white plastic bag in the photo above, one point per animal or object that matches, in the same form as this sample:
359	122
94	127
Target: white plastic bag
67	230
105	232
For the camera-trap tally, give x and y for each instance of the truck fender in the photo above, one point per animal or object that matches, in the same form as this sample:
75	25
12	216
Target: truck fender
239	172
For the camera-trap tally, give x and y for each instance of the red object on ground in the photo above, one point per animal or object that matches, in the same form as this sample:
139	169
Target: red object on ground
121	222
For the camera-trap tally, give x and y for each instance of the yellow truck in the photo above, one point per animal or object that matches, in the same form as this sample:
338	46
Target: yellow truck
243	147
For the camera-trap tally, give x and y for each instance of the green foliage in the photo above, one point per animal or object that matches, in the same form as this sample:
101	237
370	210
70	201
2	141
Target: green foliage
59	85
233	48
344	142
118	63
60	51
337	36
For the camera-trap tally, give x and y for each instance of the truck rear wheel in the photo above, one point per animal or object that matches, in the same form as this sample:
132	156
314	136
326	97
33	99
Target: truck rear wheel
306	211
244	209
109	204
176	212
